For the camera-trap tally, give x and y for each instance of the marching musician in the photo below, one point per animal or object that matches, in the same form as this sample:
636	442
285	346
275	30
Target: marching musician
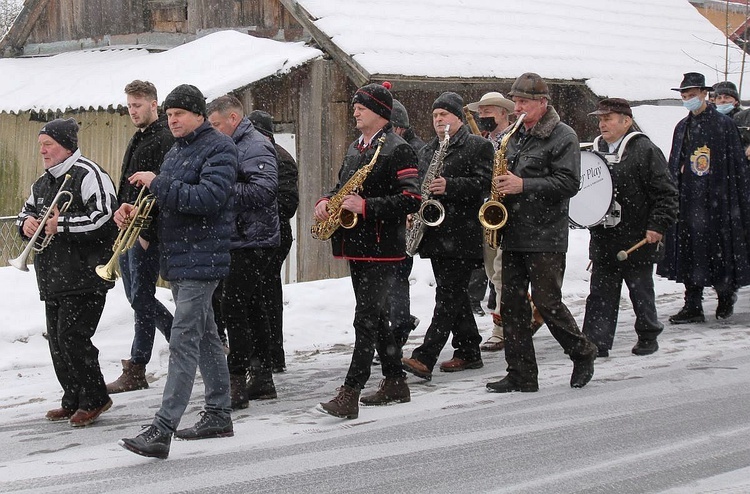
543	174
72	292
454	247
494	111
373	246
648	199
194	192
288	200
255	238
710	244
401	320
139	265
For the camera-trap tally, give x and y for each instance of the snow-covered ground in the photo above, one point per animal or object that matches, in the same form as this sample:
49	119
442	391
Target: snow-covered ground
318	340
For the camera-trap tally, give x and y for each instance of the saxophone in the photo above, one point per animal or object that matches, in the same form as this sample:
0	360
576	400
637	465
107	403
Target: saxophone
431	212
493	215
338	217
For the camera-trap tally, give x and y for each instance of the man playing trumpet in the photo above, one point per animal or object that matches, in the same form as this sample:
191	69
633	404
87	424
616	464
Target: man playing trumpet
648	198
73	294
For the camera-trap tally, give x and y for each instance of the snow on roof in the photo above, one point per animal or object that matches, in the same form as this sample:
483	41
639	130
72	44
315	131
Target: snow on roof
217	63
634	49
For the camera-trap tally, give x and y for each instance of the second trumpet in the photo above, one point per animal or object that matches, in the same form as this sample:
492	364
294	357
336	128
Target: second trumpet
140	218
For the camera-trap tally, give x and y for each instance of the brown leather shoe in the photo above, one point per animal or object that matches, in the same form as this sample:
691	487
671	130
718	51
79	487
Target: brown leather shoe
493	344
83	418
417	368
59	414
458	364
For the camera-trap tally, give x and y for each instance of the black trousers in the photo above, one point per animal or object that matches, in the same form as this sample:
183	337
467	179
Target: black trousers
478	286
71	323
452	313
603	302
544	271
371	282
399	300
272	295
244	313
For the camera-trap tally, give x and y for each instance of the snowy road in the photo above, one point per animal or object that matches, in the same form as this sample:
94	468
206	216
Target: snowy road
640	426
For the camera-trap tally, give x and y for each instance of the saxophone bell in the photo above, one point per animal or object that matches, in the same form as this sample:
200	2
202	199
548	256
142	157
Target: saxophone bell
348	219
493	215
432	212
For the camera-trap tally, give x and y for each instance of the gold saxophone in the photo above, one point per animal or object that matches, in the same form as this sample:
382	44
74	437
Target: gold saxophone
431	212
493	215
337	216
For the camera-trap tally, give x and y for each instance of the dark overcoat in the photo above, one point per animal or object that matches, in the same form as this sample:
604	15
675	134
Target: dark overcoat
467	172
648	196
390	192
710	244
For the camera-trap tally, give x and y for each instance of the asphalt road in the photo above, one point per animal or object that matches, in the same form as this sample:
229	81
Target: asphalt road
680	428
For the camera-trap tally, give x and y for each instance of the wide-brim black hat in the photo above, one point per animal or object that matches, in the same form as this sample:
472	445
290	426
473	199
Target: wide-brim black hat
691	80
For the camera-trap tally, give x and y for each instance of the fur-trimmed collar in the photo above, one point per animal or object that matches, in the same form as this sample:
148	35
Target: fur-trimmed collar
544	127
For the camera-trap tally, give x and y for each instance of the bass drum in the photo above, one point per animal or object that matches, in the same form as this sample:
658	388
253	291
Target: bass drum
595	194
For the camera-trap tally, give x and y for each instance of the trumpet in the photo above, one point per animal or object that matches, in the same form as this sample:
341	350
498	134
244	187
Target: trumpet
493	215
139	219
35	244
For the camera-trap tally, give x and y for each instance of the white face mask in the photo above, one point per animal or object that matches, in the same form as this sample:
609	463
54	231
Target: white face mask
693	103
725	108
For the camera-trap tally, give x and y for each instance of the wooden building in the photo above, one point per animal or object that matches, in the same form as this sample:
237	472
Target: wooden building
313	100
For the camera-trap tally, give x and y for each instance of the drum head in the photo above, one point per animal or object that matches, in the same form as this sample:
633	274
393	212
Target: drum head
594	199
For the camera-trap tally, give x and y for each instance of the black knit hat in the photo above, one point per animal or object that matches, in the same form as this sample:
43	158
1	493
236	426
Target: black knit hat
452	102
263	121
399	115
375	97
64	131
187	97
728	88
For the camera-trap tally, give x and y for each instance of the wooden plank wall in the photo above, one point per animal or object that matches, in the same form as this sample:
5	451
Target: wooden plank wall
67	20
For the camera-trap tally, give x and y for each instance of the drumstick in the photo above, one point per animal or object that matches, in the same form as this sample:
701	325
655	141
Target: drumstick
623	254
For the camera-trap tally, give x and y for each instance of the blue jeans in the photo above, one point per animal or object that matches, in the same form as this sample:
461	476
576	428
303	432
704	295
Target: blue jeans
140	270
194	343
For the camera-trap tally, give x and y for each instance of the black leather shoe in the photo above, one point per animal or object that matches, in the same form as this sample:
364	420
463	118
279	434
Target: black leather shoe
151	442
210	425
645	347
507	385
687	316
583	371
725	309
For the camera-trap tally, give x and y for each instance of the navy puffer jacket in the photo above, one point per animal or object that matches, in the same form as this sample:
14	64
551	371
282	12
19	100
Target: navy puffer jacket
257	221
194	194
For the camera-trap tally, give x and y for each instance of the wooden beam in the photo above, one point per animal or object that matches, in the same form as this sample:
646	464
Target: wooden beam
353	70
12	43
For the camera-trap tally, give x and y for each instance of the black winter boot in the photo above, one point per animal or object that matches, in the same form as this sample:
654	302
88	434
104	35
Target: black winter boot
151	442
261	387
238	391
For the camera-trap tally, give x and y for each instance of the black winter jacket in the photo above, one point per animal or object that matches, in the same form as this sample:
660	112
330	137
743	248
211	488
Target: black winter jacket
648	196
85	232
288	196
390	192
548	159
468	173
145	153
